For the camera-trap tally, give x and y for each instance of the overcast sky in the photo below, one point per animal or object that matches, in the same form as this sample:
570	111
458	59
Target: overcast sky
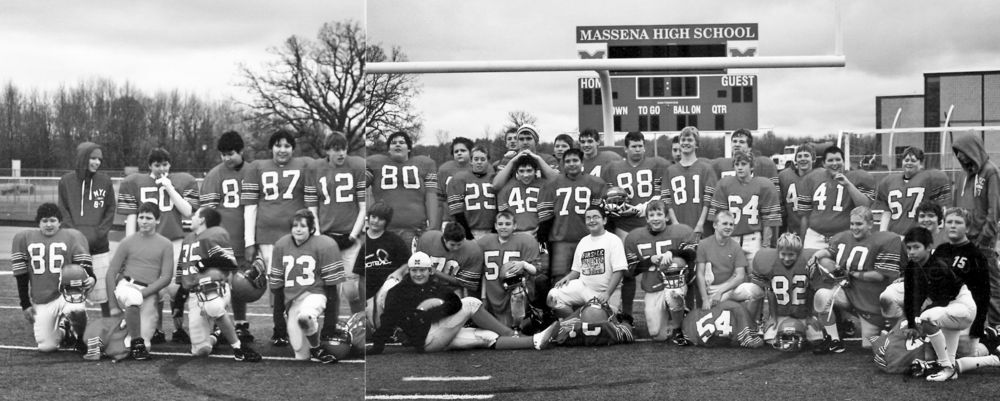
889	45
194	46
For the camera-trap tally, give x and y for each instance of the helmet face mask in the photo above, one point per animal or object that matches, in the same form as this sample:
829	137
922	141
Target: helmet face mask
789	340
209	288
615	199
73	283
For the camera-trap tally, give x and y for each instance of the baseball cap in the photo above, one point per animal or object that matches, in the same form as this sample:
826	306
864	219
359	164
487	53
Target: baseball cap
419	259
529	129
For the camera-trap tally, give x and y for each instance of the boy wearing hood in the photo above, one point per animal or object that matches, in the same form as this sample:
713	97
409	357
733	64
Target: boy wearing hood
87	203
978	190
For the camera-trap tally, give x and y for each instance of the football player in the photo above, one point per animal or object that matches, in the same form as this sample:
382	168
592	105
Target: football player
561	144
511	147
727	323
980	195
597	267
595	159
37	260
561	207
781	274
640	177
675	148
652	251
461	152
789	183
308	269
689	184
595	324
433	317
527	140
472	200
972	267
273	189
899	194
863	263
335	193
520	195
753	201
930	215
384	253
142	266
722	264
205	263
87	203
946	305
221	190
742	141
177	197
408	184
510	257
824	196
457	261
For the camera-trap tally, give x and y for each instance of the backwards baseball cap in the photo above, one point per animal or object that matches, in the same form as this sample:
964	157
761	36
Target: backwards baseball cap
530	129
419	259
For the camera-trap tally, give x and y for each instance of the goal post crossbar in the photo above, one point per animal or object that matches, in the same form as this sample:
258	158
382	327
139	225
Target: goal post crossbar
634	64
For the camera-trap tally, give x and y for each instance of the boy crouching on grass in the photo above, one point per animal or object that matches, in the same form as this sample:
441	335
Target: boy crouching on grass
140	268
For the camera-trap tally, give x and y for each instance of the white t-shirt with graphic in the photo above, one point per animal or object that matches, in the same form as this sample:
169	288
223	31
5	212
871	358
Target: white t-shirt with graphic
596	258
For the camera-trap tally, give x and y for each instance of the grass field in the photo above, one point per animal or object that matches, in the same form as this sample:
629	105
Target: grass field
172	374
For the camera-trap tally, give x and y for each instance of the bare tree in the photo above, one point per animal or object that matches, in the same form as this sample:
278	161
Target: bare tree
388	98
318	86
518	118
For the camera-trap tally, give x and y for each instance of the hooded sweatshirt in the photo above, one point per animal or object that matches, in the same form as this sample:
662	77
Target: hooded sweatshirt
87	200
978	191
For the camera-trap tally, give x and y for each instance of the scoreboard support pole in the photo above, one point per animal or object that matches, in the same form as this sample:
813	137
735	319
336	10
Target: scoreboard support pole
607	105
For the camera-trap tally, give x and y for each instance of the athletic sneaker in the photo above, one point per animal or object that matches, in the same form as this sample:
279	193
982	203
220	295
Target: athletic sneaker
946	373
69	335
279	339
158	337
180	337
828	346
246	354
319	354
139	351
679	339
543	339
922	368
243	332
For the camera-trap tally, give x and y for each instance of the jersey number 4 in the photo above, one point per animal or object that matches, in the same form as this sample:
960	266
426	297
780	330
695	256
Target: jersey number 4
528	202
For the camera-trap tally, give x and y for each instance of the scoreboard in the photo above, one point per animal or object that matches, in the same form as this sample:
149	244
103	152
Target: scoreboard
648	101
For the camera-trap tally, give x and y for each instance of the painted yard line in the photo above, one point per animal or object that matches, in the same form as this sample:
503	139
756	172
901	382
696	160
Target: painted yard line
430	397
6	273
445	378
269	358
166	310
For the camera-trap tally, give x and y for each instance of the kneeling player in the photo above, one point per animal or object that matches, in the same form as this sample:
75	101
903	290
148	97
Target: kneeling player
665	276
782	274
206	259
433	317
142	265
296	258
37	257
862	264
722	264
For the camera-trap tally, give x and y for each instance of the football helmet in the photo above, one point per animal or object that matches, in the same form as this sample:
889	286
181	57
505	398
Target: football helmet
595	312
510	280
73	283
249	283
211	285
349	338
790	336
615	199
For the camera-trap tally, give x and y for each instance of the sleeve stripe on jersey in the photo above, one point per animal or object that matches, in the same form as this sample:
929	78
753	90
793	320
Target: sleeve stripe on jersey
19	263
211	199
333	273
468	278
